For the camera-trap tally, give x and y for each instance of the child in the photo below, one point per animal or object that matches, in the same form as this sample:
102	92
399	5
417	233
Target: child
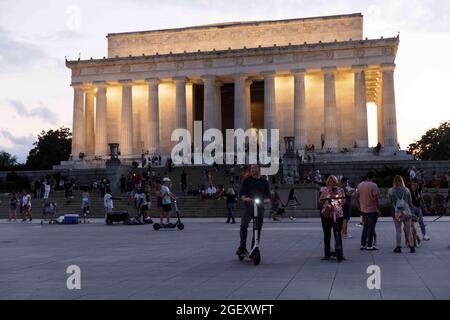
26	206
85	205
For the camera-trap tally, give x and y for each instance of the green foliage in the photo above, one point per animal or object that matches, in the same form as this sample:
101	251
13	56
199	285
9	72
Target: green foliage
384	177
7	161
51	148
14	182
434	144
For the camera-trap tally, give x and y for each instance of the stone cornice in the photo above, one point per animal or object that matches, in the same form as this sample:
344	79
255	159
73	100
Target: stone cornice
390	45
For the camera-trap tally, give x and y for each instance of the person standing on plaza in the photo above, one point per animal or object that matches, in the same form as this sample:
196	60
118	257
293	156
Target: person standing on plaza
26	206
253	187
13	204
332	217
367	200
401	201
292	203
418	205
277	205
231	204
85	204
349	192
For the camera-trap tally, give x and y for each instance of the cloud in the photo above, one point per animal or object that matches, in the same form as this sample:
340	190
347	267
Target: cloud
18	140
16	54
40	112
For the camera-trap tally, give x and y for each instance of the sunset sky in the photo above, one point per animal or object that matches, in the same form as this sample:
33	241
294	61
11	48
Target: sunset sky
36	36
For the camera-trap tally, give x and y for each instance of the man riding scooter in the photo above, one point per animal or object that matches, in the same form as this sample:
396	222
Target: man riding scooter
253	188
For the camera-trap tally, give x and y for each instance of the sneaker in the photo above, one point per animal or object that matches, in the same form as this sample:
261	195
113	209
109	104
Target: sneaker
363	248
372	248
359	225
412	249
241	251
426	238
418	242
292	218
398	250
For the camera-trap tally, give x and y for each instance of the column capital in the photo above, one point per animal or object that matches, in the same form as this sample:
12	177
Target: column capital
126	82
77	85
153	80
329	70
269	74
219	83
297	72
387	67
359	67
241	76
99	84
180	79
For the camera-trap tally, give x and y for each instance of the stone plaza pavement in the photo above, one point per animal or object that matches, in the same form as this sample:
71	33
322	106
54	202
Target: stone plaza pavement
136	262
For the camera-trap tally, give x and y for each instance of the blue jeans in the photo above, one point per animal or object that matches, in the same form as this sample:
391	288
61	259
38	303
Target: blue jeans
419	213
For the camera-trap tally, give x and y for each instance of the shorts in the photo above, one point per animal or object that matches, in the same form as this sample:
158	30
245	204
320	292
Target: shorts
144	207
13	207
346	213
86	210
167	207
159	202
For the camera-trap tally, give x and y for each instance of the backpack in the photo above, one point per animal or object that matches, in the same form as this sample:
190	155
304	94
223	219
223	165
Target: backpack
401	207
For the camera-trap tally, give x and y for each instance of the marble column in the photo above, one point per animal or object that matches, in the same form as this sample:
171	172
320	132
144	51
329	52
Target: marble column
361	127
89	95
152	135
380	135
330	111
299	109
126	127
180	102
218	97
240	104
78	130
388	106
209	102
101	138
248	102
270	115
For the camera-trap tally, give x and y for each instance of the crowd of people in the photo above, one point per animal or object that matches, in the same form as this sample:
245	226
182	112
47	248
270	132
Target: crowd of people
408	201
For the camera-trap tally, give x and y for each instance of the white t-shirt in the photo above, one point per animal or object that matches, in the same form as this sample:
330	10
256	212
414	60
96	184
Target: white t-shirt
107	200
211	190
165	191
26	200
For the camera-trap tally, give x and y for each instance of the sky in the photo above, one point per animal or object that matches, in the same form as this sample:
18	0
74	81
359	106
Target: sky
36	36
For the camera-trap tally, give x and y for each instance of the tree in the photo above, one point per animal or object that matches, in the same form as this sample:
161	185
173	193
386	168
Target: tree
51	148
434	144
7	161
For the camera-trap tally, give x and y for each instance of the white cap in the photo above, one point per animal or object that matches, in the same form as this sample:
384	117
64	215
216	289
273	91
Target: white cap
166	179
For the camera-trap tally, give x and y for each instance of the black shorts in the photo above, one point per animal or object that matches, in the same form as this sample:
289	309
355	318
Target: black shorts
144	207
86	210
346	212
167	207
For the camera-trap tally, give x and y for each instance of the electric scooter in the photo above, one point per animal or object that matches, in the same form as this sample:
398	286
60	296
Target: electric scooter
178	224
254	254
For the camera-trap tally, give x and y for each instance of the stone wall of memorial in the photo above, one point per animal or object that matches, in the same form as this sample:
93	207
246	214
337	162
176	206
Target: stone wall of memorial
236	36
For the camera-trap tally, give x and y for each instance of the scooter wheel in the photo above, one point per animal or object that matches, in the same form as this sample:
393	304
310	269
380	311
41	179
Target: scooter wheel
156	226
180	226
257	258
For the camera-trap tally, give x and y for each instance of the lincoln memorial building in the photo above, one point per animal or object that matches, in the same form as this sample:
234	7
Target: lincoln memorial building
310	78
